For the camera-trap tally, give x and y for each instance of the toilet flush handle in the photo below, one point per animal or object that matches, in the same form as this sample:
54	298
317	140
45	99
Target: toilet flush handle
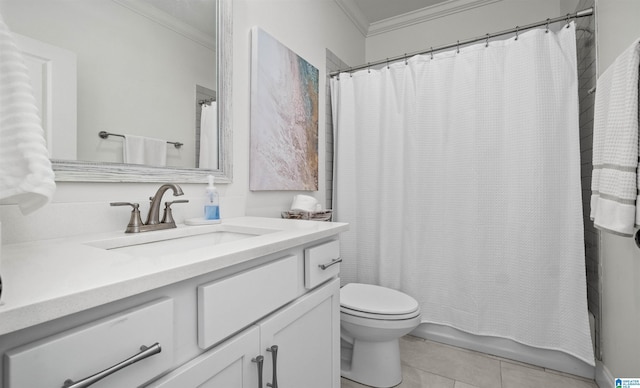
325	266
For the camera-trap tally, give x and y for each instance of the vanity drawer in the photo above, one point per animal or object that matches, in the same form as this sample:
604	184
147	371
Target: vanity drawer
228	305
321	263
84	351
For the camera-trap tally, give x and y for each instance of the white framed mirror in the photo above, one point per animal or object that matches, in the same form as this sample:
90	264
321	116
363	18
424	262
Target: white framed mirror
86	157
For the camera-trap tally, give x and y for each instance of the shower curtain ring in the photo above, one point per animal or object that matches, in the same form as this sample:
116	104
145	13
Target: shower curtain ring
405	59
387	63
517	31
547	31
458	47
568	16
431	52
369	67
487	40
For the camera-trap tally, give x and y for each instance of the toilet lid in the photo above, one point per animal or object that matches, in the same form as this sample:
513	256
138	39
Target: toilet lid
373	299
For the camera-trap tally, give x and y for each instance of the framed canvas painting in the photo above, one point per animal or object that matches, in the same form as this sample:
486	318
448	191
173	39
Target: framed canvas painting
284	117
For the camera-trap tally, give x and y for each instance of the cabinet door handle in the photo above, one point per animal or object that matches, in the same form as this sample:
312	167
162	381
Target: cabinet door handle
88	381
274	354
259	360
334	261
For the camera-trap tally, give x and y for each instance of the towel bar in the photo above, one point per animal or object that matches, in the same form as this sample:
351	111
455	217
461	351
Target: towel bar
105	134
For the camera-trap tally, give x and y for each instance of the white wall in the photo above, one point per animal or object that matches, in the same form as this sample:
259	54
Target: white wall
476	22
617	28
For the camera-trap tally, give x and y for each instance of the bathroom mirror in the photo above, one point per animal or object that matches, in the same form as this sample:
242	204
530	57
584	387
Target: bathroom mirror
133	73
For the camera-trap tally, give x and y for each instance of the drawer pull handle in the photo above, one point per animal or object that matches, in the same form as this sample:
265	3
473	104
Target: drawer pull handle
274	354
259	360
325	266
86	382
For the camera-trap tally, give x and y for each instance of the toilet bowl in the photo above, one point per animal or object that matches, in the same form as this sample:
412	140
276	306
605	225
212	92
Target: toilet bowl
372	319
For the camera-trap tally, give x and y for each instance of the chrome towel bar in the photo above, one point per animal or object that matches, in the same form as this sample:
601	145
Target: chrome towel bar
105	134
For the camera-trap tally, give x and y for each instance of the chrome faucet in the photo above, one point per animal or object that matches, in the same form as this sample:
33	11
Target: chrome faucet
153	219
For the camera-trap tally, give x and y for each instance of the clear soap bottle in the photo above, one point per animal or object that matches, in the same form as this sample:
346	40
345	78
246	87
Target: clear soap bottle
212	204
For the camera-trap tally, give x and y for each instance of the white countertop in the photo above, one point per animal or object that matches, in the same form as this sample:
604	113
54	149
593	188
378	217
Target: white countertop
50	279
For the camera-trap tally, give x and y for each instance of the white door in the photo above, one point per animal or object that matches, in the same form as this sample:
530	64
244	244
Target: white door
307	336
53	73
227	365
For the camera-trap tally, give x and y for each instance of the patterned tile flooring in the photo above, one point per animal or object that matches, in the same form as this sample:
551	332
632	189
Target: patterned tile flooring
428	364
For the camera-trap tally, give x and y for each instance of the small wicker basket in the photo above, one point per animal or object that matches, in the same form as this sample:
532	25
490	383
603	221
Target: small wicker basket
322	215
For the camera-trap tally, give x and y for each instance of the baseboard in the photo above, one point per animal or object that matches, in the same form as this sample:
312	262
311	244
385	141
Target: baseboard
603	376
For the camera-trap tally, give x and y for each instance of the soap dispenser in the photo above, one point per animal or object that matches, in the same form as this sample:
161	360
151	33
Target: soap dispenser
212	202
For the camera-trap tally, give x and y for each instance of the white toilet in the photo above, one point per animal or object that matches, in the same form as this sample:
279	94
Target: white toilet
372	319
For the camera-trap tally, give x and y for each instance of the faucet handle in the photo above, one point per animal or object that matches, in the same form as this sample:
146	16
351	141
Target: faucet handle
176	201
168	215
135	221
134	205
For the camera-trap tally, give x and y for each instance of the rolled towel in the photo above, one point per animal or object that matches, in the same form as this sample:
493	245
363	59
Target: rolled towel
26	175
304	203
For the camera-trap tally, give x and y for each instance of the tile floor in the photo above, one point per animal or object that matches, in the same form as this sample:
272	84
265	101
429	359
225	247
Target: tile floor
428	364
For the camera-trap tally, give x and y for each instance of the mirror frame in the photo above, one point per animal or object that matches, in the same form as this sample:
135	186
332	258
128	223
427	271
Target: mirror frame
82	171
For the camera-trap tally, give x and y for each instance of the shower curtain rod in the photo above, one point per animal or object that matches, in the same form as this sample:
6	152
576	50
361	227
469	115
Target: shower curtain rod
208	101
517	29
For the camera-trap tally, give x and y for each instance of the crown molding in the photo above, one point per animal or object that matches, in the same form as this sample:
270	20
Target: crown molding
354	13
443	9
168	21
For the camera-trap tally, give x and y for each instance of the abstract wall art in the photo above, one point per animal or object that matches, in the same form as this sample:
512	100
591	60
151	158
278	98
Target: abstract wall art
284	117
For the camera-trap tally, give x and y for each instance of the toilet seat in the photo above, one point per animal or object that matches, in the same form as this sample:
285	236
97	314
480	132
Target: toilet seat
379	317
375	302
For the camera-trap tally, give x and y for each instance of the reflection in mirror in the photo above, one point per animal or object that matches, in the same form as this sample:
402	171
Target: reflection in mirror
140	68
206	128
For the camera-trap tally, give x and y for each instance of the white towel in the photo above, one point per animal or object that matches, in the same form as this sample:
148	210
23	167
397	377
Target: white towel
26	176
133	149
155	152
144	150
614	183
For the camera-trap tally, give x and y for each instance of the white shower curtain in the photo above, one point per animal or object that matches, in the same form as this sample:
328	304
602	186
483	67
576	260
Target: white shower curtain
209	136
460	179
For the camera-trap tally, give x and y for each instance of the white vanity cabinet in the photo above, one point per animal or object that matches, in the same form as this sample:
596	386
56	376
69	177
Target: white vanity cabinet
297	345
218	329
306	335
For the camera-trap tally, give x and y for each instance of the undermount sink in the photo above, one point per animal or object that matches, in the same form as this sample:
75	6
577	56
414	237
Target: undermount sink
177	240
